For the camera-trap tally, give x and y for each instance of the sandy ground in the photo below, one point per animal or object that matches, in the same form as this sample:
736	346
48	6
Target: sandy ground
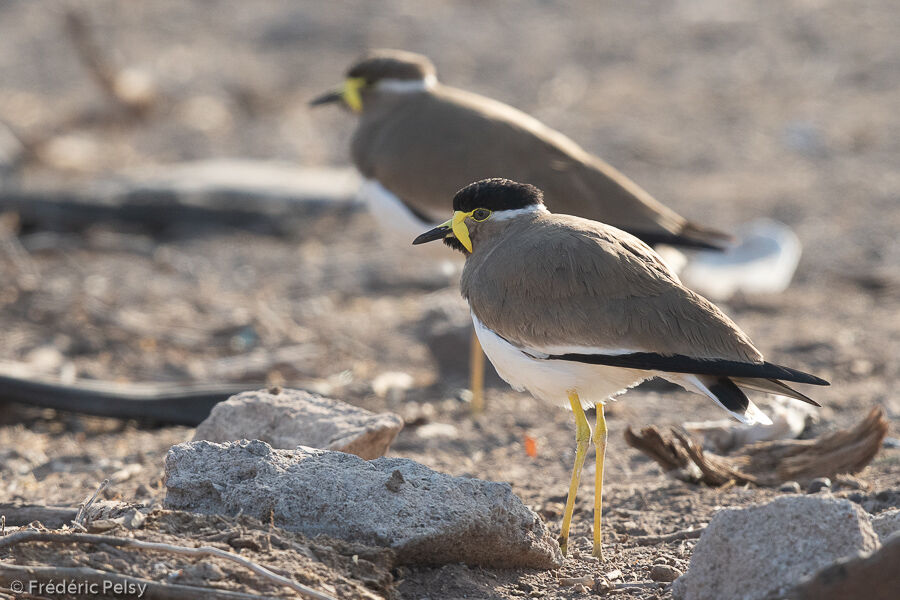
725	112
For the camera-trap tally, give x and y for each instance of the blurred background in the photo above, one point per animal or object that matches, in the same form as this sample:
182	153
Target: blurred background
725	111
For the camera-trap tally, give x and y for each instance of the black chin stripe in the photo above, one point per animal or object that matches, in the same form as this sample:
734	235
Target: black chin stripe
455	244
678	363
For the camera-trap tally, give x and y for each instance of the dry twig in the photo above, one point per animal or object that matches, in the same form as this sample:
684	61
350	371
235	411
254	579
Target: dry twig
766	463
675	536
84	506
50	516
202	551
135	100
104	580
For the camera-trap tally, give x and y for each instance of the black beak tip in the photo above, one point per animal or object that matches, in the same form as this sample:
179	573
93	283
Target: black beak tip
429	236
328	98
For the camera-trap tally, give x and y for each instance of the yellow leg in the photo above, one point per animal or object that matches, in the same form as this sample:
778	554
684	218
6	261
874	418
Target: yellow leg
582	439
600	446
476	375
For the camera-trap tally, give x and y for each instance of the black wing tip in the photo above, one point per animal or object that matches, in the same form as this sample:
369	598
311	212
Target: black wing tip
795	394
679	363
682	240
713	238
797	376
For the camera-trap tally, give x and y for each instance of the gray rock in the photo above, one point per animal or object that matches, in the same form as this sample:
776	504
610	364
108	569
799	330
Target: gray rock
446	328
664	573
789	487
886	523
869	577
290	418
762	551
424	516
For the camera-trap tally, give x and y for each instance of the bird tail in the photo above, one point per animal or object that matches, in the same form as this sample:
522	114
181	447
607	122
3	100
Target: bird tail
726	394
773	386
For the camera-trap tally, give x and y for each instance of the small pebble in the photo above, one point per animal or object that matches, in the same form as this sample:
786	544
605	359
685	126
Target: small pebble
891	442
849	482
395	481
664	573
818	484
790	487
602	586
587	579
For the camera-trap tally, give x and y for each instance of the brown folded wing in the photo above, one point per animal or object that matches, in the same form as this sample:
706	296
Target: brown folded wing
559	281
425	147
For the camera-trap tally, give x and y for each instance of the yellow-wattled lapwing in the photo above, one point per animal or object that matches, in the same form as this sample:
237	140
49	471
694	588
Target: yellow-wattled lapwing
572	309
418	141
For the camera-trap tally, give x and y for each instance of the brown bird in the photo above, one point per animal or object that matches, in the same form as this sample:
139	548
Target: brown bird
418	141
572	309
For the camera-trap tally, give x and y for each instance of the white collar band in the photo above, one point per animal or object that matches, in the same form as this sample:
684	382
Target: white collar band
503	215
405	86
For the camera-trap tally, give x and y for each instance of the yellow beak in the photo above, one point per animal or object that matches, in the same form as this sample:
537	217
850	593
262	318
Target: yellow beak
349	94
456	225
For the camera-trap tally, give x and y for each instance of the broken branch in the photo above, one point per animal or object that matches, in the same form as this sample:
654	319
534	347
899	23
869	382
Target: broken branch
675	536
49	516
202	551
766	463
103	580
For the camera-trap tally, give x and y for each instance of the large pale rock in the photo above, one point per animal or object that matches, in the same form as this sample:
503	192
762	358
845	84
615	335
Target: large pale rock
886	523
425	516
290	418
764	551
868	577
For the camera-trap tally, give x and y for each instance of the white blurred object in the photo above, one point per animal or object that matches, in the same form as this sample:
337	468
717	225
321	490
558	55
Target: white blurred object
789	419
674	258
762	261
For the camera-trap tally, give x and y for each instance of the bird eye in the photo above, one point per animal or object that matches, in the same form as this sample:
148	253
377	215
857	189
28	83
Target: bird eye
481	214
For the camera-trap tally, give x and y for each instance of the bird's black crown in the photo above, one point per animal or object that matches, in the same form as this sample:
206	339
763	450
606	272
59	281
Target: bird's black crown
497	194
392	64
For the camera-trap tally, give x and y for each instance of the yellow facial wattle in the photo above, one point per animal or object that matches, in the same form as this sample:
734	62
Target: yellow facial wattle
351	94
458	225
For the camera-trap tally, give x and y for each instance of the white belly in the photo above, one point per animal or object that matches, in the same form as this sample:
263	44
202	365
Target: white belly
401	224
552	380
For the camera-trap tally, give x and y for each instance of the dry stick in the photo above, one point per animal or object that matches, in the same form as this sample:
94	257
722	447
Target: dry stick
766	463
84	506
105	74
68	538
685	534
104	580
17	595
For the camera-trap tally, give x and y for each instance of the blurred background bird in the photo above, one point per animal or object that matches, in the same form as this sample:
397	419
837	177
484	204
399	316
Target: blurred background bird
418	141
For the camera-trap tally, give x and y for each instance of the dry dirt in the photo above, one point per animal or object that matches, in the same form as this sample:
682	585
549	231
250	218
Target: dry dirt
725	111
